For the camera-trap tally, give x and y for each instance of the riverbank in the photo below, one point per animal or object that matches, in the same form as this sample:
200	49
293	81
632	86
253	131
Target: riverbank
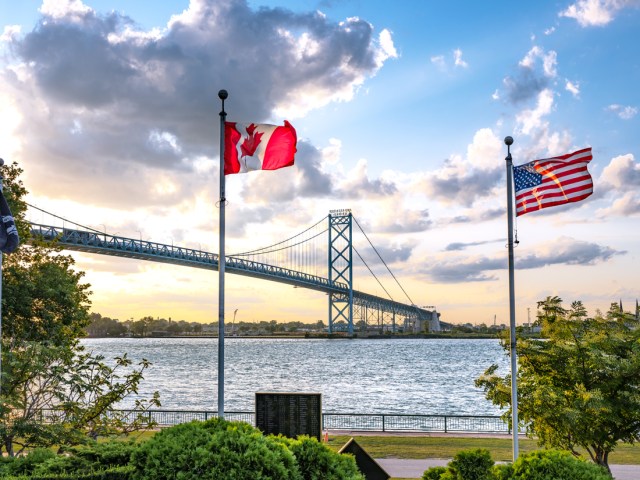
325	336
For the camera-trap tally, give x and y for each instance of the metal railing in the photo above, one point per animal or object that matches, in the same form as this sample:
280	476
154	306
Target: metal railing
384	422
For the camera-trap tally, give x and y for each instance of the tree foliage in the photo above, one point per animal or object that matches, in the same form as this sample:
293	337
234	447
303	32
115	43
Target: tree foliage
578	386
52	392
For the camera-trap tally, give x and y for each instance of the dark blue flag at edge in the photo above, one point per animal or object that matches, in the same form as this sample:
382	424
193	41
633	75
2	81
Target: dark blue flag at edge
9	239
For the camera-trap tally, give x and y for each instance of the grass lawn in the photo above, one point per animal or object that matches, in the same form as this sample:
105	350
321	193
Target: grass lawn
391	446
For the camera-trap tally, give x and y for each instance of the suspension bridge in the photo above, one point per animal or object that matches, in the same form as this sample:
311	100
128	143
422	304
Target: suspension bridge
320	258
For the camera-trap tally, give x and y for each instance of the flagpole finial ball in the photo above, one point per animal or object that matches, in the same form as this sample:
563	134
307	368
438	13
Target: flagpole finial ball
508	140
222	94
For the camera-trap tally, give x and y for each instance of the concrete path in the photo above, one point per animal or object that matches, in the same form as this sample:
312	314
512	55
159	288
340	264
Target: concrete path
406	468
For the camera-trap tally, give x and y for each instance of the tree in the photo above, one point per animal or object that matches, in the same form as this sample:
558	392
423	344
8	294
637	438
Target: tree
578	386
52	392
105	327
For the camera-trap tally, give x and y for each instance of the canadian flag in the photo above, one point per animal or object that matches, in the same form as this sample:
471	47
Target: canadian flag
258	146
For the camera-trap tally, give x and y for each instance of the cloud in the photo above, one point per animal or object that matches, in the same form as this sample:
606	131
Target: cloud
589	13
306	180
464	180
457	59
621	175
389	253
531	119
624	206
624	112
402	220
457	246
107	107
438	60
441	62
573	88
562	251
358	184
535	70
623	172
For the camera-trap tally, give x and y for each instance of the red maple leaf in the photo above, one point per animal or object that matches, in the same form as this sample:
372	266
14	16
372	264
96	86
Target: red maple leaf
250	143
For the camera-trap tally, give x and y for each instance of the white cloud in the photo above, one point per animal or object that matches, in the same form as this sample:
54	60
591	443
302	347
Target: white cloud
387	48
457	56
550	30
438	60
10	32
622	173
95	100
624	206
72	9
624	112
331	153
574	88
549	60
531	119
595	12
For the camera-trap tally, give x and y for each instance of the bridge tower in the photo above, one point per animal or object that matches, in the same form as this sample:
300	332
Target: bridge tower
340	268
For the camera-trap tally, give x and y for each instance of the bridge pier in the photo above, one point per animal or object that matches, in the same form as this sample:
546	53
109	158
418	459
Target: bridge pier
340	268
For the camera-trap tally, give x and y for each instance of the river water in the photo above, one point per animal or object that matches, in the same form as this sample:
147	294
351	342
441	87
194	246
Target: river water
413	376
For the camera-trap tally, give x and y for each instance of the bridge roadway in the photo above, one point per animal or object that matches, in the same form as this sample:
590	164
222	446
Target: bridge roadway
105	244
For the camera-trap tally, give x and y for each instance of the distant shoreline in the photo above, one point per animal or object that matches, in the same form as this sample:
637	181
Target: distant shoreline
322	337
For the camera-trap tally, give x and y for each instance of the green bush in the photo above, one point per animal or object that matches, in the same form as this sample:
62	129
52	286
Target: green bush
434	473
106	454
473	464
115	473
318	462
27	464
215	449
503	471
555	465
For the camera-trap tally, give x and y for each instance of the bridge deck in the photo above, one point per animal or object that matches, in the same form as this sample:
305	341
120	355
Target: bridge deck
105	244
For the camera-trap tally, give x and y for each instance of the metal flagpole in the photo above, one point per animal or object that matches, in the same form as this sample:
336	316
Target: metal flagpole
222	94
512	309
1	187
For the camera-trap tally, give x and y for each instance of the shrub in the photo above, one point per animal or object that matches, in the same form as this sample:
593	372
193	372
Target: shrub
556	465
503	471
472	464
318	462
27	464
215	449
434	473
107	454
62	464
115	473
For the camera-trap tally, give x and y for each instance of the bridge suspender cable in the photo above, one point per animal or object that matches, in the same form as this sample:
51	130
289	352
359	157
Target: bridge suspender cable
371	272
382	260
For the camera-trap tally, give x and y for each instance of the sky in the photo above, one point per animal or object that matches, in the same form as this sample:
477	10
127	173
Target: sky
111	109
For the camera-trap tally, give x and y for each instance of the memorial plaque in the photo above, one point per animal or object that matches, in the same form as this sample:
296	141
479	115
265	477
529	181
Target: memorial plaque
289	414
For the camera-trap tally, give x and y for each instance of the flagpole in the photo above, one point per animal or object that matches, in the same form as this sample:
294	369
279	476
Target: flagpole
1	258
512	309
222	94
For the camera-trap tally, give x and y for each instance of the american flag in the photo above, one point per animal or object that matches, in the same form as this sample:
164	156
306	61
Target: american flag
552	181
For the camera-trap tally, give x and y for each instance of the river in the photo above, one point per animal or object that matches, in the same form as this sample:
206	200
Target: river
413	376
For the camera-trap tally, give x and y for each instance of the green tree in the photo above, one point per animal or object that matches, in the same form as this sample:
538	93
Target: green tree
105	327
51	391
578	386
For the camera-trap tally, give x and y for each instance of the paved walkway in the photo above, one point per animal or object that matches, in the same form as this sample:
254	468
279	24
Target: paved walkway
405	468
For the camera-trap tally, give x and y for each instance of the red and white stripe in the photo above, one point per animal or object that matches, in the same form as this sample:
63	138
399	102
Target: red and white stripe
258	147
565	179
